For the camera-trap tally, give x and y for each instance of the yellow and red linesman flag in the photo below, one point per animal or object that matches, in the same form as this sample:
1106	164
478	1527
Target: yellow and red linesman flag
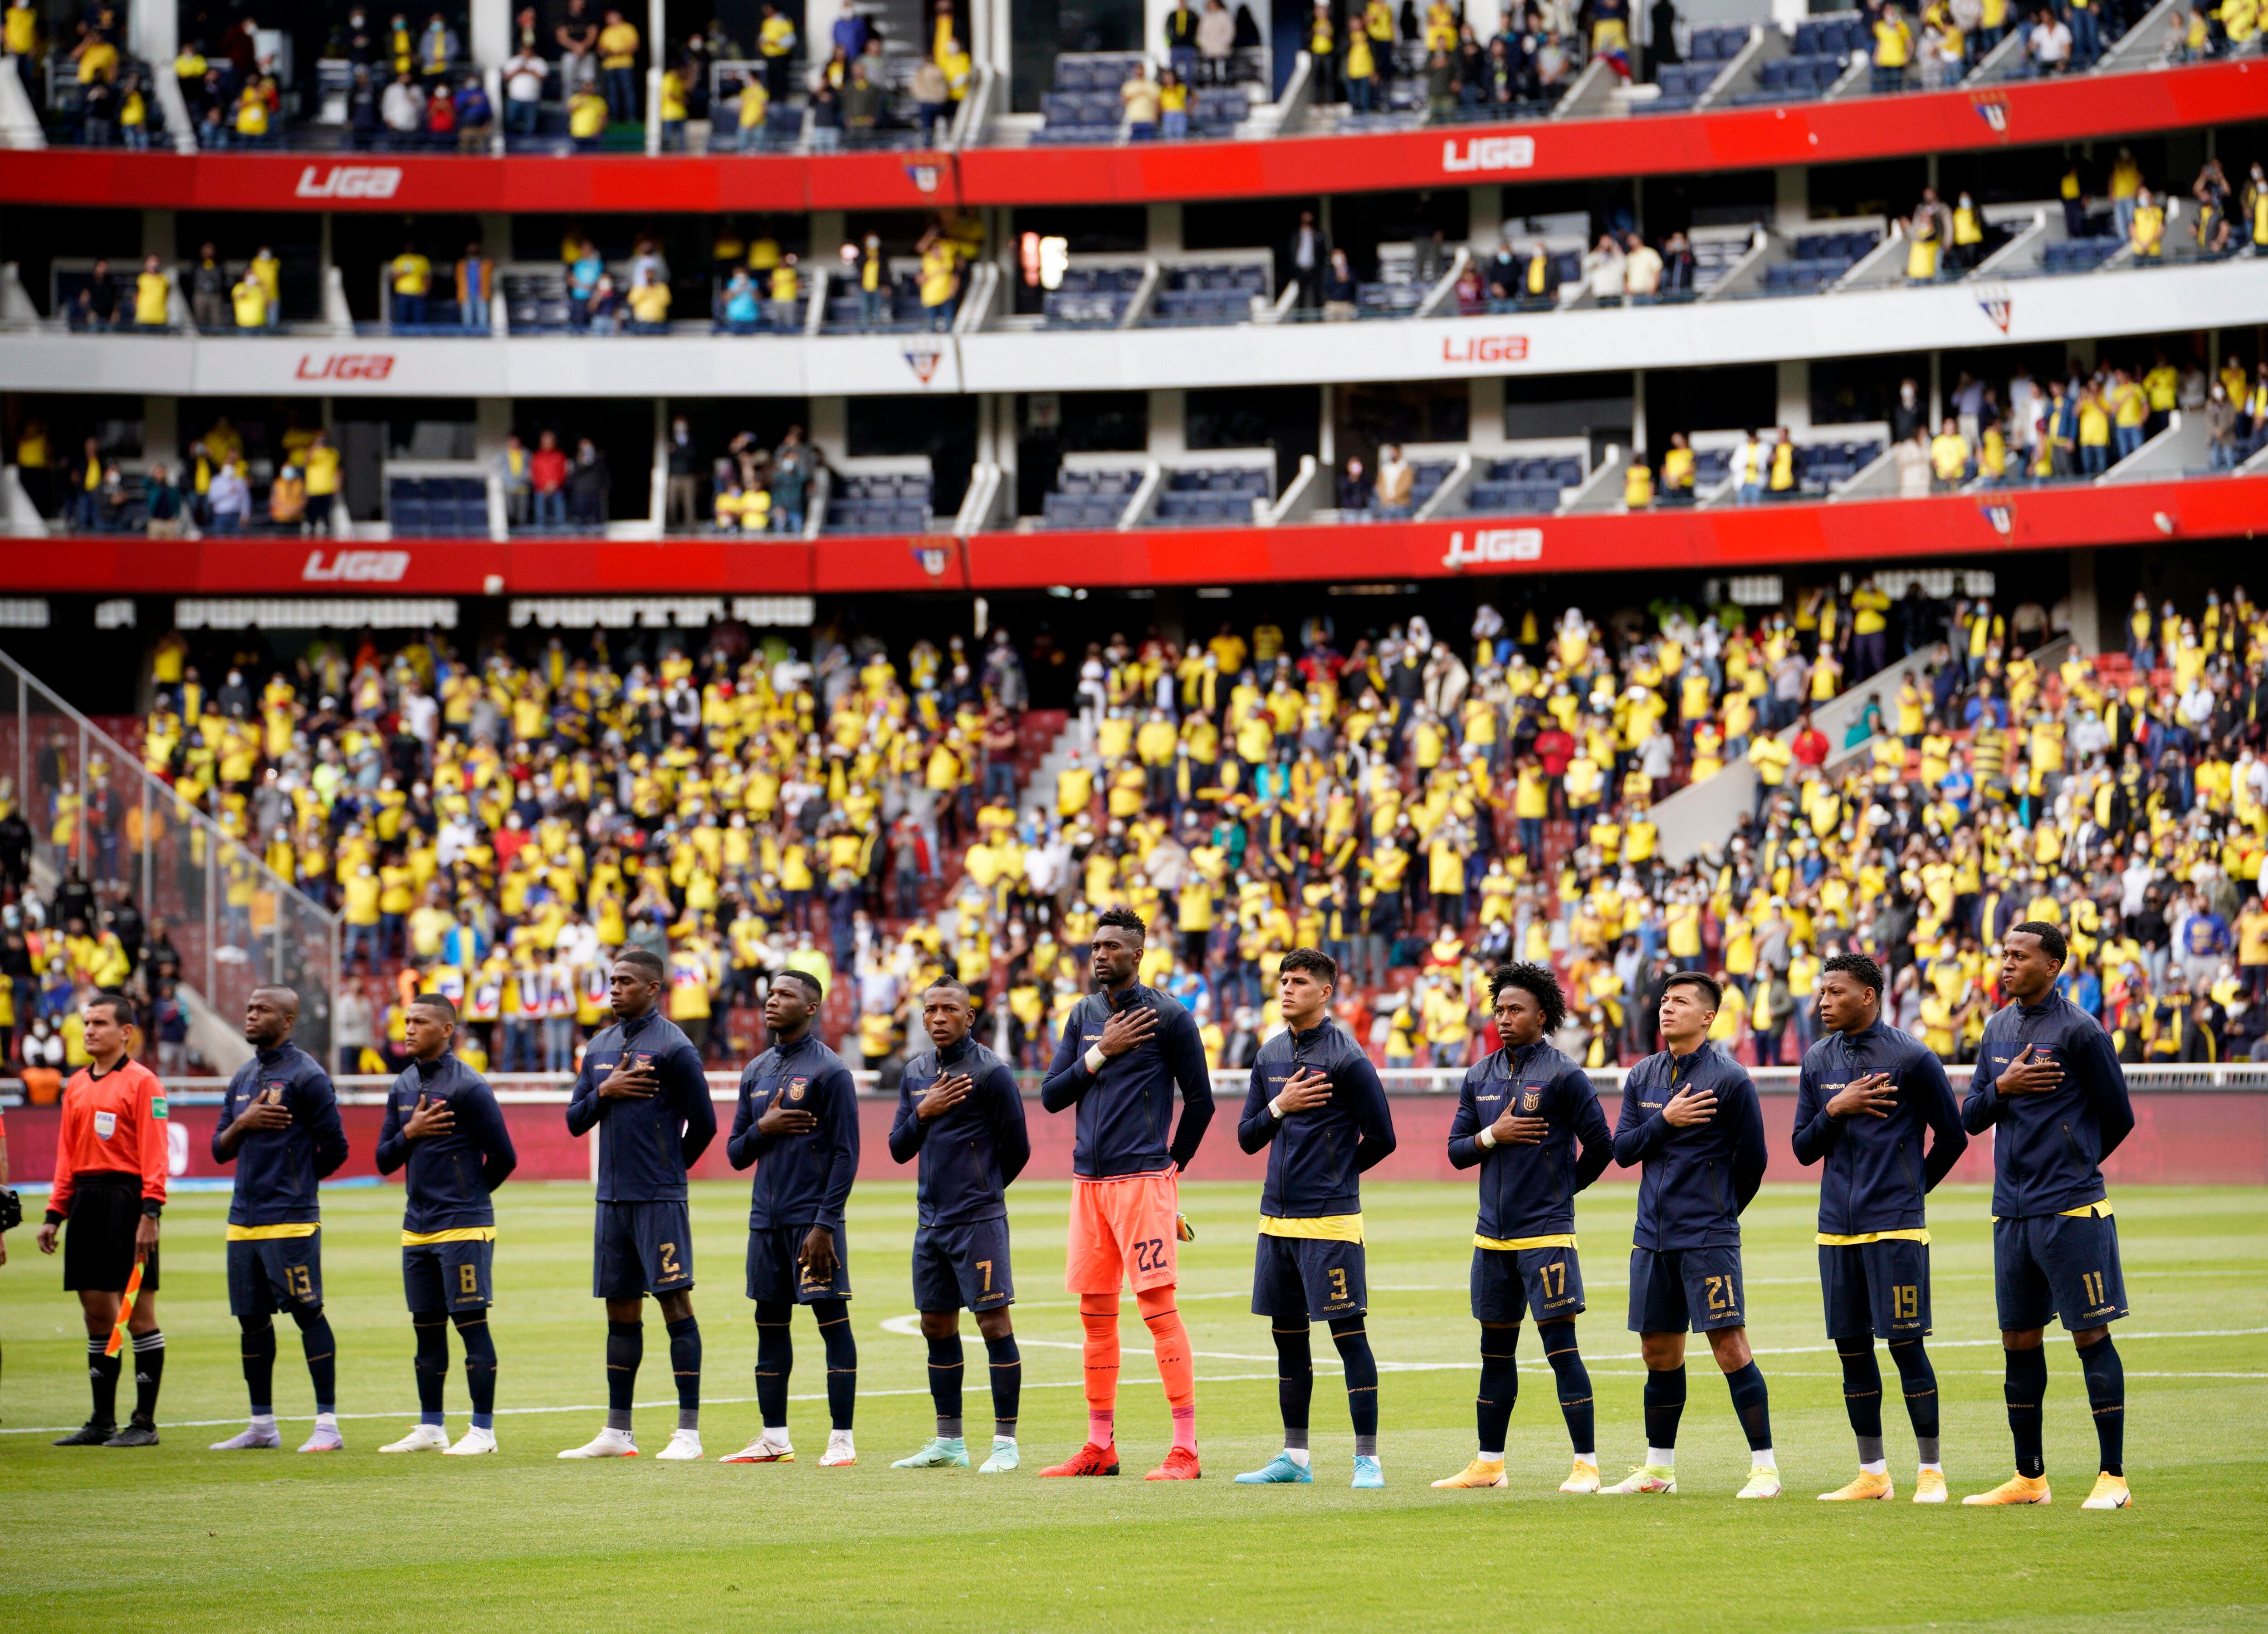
125	1310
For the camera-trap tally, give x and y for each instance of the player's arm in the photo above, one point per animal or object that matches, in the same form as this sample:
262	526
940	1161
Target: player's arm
693	1105
907	1129
483	1121
1184	1056
1925	1080
1465	1149
1591	1134
392	1151
1259	1123
840	1123
321	1104
1982	1109
584	1107
1751	1155
1067	1078
744	1144
1011	1141
1638	1134
1373	1118
2104	1084
1816	1130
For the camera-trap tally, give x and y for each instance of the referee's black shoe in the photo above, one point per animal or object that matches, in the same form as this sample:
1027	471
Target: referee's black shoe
93	1432
136	1433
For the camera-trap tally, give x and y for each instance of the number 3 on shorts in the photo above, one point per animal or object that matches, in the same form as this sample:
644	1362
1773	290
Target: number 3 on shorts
1149	1255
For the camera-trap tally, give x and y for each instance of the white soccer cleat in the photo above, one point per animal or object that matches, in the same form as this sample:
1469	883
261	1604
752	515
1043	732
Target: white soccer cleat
839	1451
606	1444
765	1449
684	1447
475	1441
253	1438
421	1439
1763	1482
324	1439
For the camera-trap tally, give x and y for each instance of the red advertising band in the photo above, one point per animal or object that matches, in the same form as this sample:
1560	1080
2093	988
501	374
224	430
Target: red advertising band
1947	525
2080	107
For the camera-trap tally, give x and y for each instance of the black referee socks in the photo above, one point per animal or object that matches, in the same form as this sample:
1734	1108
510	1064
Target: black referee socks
149	1374
102	1380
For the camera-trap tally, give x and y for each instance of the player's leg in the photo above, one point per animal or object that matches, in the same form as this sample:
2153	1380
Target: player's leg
1277	1296
834	1317
771	1287
1152	1226
1552	1279
1844	1290
1899	1290
1917	1382
2089	1282
684	1332
1095	1267
429	1322
1350	1336
1658	1316
467	1272
253	1303
1714	1292
988	1288
2026	1303
617	1278
1499	1303
937	1295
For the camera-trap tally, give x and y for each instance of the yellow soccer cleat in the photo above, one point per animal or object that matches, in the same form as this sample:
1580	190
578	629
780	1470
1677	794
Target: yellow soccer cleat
1929	1486
1583	1478
1480	1472
2014	1489
1763	1482
2110	1493
1867	1483
1645	1478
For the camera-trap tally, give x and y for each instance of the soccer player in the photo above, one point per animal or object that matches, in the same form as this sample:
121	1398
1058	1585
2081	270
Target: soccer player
798	1122
279	1124
958	1107
1315	1103
1689	1116
642	1089
1521	1115
1869	1098
442	1123
110	1187
1125	1049
2049	1087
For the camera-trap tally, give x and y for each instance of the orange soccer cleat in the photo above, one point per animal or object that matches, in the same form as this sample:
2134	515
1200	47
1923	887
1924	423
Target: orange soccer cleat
1181	1465
1088	1461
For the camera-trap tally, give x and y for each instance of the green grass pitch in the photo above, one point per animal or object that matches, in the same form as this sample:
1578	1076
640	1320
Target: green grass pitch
178	1538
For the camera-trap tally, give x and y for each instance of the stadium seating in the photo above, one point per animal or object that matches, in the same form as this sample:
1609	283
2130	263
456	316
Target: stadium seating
1092	297
1203	294
438	507
1523	485
1817	260
1218	495
1090	498
880	503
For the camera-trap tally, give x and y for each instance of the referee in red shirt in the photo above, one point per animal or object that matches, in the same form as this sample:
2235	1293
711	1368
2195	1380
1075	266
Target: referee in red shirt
110	1186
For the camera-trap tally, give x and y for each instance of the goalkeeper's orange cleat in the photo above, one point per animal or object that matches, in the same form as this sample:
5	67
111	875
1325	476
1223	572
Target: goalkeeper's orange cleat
1088	1461
1181	1465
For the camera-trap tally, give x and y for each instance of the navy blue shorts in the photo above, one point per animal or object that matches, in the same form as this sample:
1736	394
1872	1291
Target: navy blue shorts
638	1248
1318	1278
957	1266
1880	1288
2063	1265
1674	1288
271	1274
1508	1283
448	1276
776	1272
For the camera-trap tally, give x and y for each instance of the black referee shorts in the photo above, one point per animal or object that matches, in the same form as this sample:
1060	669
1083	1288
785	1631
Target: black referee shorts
99	1235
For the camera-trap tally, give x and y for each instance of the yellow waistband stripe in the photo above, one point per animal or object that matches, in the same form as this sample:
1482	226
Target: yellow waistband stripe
1557	1239
272	1233
462	1233
1828	1239
1324	1228
2091	1210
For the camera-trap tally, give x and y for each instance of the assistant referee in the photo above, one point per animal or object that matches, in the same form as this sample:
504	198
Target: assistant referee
110	1187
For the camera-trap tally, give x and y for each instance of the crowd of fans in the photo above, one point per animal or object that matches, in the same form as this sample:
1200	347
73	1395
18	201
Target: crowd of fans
1421	809
210	490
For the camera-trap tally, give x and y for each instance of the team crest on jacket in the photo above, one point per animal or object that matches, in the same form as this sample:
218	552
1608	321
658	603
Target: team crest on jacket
1530	1098
795	1087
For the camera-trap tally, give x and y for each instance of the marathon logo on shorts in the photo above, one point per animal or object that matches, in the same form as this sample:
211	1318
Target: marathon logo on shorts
350	181
1494	544
1999	304
1488	153
1993	110
922	360
355	567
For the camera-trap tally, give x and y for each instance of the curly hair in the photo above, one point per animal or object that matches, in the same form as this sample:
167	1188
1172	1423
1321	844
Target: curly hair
1858	968
1124	919
1539	983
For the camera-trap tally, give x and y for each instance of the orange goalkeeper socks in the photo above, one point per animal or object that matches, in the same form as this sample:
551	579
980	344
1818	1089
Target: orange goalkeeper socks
1098	1313
1171	1341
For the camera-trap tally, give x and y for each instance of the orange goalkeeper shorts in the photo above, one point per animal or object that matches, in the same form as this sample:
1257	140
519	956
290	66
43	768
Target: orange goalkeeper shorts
1122	1230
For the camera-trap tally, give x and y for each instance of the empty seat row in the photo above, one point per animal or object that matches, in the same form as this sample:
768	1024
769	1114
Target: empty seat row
1085	510
1717	45
1249	481
1107	483
1559	471
1503	498
2077	254
1831	36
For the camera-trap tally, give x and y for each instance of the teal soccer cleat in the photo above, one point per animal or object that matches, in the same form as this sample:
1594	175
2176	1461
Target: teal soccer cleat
1368	1477
1279	1471
940	1453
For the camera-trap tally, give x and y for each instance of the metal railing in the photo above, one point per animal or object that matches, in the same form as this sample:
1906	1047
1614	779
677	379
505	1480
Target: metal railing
99	820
